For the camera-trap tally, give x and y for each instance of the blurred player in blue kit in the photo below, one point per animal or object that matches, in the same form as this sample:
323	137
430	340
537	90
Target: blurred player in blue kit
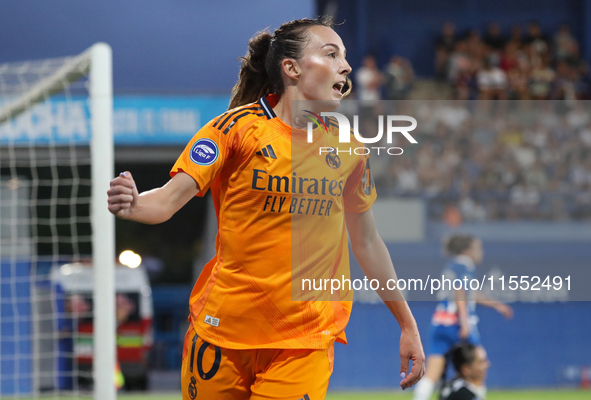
455	316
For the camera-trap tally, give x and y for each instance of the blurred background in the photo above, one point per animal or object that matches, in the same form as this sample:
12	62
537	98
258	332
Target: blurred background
523	187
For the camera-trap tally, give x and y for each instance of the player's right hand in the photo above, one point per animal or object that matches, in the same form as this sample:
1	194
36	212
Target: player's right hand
123	196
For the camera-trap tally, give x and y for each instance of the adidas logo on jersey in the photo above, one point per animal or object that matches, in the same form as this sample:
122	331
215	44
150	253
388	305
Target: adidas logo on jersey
212	321
306	397
267	151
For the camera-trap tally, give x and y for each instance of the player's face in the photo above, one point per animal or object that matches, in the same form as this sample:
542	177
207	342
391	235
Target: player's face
476	252
479	367
323	67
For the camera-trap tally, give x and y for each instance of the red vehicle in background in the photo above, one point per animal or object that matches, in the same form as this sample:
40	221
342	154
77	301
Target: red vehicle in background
134	314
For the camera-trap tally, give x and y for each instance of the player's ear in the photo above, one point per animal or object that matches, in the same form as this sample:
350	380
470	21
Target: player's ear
291	68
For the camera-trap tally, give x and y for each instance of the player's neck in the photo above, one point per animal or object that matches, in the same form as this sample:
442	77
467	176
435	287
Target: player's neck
284	107
293	104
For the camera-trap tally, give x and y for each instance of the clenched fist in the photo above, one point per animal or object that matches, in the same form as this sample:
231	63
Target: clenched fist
123	196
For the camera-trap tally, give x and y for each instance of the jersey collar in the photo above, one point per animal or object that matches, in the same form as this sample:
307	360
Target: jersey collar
268	102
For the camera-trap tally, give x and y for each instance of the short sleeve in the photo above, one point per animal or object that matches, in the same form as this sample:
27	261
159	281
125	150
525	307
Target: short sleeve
204	157
360	189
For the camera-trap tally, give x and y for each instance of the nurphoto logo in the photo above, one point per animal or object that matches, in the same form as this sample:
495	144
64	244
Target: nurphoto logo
345	132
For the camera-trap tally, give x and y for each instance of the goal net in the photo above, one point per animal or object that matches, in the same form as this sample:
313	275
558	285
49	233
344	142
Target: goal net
57	327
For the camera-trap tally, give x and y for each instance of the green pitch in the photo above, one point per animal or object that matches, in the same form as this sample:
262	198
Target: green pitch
492	395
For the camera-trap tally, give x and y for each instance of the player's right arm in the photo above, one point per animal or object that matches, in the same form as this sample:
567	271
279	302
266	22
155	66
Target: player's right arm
151	207
193	173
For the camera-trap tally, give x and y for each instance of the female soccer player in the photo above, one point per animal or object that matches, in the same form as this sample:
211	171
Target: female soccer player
455	319
279	205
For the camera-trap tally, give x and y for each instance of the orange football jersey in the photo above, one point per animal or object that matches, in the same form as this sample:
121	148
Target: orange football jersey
280	208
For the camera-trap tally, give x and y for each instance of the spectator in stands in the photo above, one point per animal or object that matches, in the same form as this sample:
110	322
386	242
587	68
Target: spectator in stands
524	153
583	84
399	77
476	47
534	66
536	176
471	365
511	57
447	39
459	61
538	42
585	136
453	115
518	88
490	160
537	136
492	82
564	42
516	36
581	174
471	210
582	207
541	79
493	38
564	86
525	199
407	180
578	116
573	58
369	81
444	47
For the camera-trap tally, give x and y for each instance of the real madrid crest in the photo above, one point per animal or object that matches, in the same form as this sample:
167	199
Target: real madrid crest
333	160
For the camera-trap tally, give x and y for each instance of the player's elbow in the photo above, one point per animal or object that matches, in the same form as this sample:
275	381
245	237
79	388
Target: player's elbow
362	229
366	238
359	243
365	246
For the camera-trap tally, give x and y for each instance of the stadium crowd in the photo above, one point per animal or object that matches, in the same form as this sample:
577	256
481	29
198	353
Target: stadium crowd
488	161
393	83
517	66
477	161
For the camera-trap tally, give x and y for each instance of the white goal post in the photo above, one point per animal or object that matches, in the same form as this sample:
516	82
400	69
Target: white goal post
103	223
39	143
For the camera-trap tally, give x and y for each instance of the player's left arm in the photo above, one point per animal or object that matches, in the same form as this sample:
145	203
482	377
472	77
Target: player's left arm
373	257
504	309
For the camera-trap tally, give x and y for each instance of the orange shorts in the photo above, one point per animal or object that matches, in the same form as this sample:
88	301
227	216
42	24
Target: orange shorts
211	372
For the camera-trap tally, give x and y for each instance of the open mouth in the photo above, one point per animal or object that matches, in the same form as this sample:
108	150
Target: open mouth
339	87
